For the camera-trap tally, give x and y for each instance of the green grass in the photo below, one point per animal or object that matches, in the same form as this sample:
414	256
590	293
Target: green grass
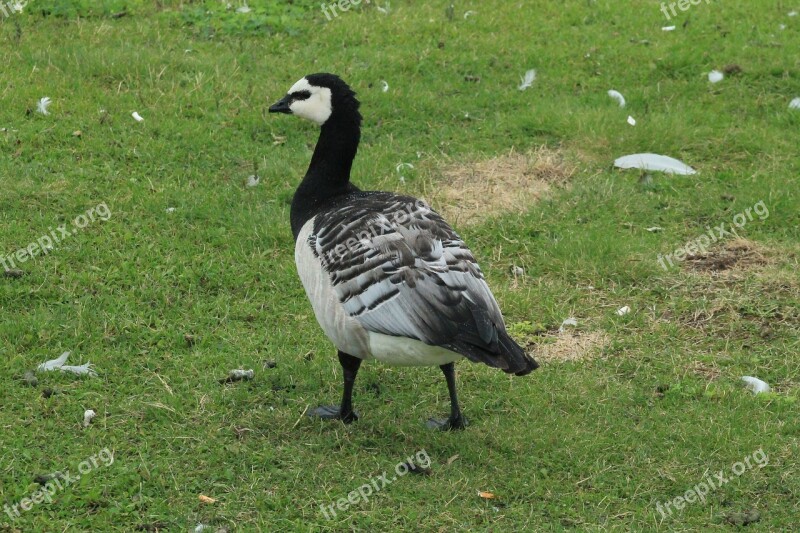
584	445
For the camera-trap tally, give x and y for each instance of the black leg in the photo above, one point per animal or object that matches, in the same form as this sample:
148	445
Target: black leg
456	420
343	412
350	366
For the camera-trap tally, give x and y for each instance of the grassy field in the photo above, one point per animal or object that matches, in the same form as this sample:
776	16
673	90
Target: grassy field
192	273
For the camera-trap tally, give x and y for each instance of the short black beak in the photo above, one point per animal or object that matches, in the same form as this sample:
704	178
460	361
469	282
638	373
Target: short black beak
282	105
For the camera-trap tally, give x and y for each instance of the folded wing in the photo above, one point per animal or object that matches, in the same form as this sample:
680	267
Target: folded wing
399	269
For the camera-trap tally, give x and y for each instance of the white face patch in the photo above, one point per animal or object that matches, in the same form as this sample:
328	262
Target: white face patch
317	107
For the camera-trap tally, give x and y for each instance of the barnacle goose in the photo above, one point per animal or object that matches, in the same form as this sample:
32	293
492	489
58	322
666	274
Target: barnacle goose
387	277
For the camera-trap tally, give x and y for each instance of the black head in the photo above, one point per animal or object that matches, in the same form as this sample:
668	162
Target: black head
319	98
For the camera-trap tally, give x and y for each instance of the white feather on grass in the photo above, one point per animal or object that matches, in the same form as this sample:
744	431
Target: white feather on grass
52	364
42	105
527	80
58	364
85	369
88	415
715	76
616	95
755	385
137	117
668	28
571	321
622	311
795	104
631	120
469	14
654	162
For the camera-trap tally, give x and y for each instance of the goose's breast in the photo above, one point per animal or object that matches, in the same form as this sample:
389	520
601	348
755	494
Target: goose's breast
346	333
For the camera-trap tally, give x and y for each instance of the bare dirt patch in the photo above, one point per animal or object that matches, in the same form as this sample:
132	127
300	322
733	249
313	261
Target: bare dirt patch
567	347
740	254
471	192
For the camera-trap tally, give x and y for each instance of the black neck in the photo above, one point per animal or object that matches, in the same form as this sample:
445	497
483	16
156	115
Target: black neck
328	175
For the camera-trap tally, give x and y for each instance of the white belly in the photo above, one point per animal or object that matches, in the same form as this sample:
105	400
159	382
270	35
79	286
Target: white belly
347	333
402	351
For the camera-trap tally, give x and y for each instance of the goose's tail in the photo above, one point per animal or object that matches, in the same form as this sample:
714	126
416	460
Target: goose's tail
504	353
520	363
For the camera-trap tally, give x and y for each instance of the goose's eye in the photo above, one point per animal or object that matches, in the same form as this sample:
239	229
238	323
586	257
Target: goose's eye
301	95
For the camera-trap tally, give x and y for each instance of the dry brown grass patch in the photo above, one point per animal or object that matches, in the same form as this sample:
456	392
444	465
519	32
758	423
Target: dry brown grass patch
567	347
739	254
471	192
704	370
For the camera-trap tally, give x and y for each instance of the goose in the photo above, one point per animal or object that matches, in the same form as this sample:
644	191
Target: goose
388	279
